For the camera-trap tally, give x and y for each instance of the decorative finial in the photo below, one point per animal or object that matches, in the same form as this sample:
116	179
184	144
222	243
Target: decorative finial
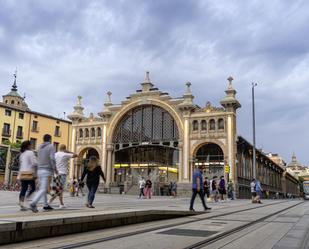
147	78
109	94
79	98
188	84
230	79
14	86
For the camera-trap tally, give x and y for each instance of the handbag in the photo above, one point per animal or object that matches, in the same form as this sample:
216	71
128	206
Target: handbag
26	175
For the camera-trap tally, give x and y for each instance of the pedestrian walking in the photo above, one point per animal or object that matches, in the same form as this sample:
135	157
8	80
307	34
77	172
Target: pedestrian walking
62	163
46	168
206	187
222	188
258	190
148	188
214	189
253	192
27	172
174	189
230	190
141	185
93	172
197	188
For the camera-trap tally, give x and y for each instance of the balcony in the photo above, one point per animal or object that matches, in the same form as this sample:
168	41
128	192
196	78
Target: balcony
6	132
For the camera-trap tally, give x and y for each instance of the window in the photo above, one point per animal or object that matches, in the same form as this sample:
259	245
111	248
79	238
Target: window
6	131
221	124
12	102
195	125
92	132
86	133
19	132
212	124
81	133
6	101
56	146
35	126
57	131
8	113
20	115
33	143
204	125
99	132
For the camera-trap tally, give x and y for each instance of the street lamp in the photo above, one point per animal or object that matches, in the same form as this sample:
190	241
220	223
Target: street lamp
253	131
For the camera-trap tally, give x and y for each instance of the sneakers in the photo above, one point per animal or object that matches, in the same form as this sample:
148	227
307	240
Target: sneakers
89	206
207	208
33	208
22	208
62	206
192	210
48	208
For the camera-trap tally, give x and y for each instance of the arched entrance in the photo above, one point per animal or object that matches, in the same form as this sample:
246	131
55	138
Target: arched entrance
211	157
82	160
146	144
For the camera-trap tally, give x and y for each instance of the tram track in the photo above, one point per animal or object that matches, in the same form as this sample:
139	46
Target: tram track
196	245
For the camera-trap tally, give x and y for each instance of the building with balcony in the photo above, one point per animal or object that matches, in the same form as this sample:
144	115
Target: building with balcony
18	123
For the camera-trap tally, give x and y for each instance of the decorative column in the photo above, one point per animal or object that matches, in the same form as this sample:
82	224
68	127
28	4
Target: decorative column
180	168
103	159
76	116
186	107
73	149
231	104
109	165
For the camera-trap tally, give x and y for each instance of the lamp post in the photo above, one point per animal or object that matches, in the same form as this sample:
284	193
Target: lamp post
253	131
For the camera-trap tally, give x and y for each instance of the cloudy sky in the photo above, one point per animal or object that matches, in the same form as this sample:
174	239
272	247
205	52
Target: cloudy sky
67	48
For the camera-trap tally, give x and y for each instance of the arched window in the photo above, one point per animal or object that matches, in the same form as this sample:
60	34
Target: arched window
221	124
86	132
212	124
144	124
195	125
204	125
12	102
92	132
99	132
81	133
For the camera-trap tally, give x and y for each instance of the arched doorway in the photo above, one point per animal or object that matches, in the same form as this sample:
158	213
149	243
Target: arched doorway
146	144
82	160
211	157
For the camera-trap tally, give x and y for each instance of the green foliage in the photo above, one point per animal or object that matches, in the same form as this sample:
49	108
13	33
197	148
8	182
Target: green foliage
13	145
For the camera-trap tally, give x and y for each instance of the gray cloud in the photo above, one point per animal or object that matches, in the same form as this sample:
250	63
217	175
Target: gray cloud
66	48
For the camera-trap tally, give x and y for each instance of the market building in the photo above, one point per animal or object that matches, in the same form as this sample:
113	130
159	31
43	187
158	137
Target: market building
154	135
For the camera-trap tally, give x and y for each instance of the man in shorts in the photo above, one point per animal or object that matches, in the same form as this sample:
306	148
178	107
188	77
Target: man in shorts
62	163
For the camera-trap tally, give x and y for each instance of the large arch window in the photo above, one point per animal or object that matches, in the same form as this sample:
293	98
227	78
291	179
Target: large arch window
147	123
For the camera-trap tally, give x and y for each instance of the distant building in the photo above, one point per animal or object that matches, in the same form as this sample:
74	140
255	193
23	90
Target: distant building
296	169
277	159
18	123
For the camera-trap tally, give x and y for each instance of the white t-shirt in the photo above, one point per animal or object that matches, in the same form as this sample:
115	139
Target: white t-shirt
62	161
252	185
141	183
27	161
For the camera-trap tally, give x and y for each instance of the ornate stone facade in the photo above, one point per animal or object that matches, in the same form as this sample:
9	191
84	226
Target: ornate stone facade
144	121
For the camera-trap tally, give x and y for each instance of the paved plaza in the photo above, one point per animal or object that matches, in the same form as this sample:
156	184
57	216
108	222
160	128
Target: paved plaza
230	224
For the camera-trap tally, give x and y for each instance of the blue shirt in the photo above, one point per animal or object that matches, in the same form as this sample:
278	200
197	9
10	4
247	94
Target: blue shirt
257	186
197	174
